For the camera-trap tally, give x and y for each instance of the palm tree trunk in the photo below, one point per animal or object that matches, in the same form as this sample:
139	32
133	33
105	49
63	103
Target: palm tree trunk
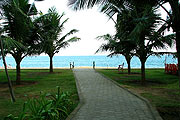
129	67
9	81
18	73
51	63
178	53
176	28
128	60
18	59
143	76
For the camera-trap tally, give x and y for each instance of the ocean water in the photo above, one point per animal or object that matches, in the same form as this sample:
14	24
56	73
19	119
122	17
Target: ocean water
81	61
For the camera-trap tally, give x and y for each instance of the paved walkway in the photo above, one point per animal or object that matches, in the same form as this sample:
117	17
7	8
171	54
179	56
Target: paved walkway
104	100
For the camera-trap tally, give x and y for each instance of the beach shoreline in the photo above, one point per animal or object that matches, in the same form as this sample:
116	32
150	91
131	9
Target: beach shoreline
81	67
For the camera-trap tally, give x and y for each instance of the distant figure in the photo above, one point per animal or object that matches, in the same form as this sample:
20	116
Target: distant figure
73	65
93	64
121	67
70	65
9	66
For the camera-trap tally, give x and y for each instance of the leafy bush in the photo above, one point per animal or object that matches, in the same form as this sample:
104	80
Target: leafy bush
45	107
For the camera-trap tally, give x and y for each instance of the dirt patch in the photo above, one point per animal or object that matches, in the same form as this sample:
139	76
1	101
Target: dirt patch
4	89
4	85
132	73
170	113
155	91
30	74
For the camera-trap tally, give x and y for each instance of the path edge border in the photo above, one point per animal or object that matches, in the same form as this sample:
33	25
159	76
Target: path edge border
153	110
81	99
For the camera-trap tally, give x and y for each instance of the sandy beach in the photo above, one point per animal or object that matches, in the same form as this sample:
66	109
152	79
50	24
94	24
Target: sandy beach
82	67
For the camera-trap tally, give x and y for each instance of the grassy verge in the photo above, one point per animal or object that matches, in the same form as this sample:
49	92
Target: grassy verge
34	82
161	89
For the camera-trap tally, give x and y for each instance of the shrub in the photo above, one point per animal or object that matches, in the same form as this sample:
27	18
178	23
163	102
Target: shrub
45	107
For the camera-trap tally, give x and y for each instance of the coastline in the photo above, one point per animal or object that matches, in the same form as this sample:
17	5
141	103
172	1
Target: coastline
80	67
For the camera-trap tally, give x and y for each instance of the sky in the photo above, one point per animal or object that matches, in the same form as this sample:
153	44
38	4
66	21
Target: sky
90	23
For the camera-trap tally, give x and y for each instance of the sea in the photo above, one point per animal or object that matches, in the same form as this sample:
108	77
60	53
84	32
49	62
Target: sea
87	61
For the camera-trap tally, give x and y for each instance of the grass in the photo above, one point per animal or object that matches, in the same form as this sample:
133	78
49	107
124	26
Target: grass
34	82
161	89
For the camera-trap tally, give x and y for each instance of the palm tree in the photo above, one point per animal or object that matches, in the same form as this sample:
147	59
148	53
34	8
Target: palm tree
4	62
172	21
50	29
120	43
118	46
144	23
148	36
18	26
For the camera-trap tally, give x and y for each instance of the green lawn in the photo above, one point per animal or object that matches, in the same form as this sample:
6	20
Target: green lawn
34	83
161	89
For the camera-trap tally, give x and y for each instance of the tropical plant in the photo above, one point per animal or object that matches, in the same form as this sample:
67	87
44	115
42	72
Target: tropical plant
120	43
50	29
148	36
172	21
142	15
18	26
45	107
143	23
117	46
4	62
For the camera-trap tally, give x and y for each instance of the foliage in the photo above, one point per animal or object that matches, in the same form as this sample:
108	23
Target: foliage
18	26
49	28
33	81
46	107
172	20
117	46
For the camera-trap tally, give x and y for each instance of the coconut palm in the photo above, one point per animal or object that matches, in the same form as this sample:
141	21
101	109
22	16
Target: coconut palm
50	30
145	33
117	46
142	16
4	62
18	26
139	22
148	36
172	21
119	43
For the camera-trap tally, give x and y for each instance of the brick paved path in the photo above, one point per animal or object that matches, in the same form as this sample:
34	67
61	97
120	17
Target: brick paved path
104	100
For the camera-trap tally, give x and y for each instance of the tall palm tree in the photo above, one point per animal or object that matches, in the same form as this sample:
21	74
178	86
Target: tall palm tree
145	23
172	21
118	46
50	30
120	43
148	36
18	26
4	62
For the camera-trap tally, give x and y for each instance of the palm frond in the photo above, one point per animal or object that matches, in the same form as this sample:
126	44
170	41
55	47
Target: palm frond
81	4
69	33
74	39
106	37
10	44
